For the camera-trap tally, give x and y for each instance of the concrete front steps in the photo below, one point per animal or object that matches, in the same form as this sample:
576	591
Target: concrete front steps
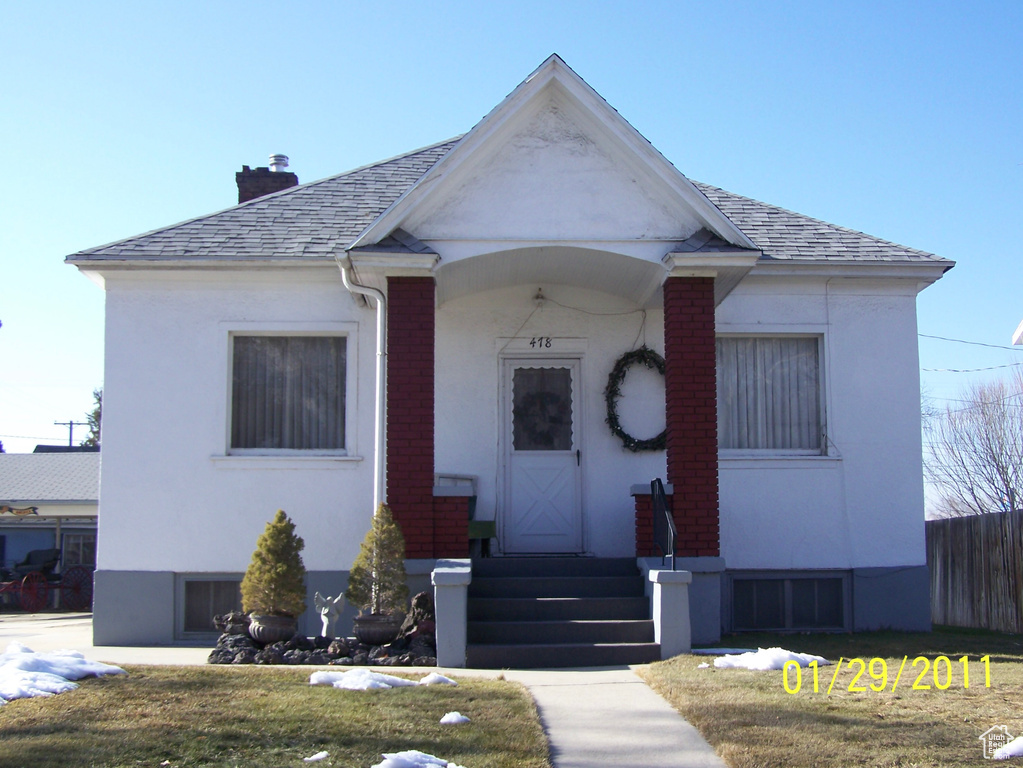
544	612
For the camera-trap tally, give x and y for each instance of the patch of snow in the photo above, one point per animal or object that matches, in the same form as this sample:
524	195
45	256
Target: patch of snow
1013	749
764	659
364	680
704	665
718	651
454	718
359	680
26	674
316	758
435	678
413	759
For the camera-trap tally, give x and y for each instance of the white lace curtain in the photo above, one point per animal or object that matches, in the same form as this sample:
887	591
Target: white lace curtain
288	393
769	393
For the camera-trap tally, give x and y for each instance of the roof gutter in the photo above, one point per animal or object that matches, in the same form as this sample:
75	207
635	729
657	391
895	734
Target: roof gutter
380	421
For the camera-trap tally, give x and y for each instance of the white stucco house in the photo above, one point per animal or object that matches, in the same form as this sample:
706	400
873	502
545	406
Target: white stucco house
247	370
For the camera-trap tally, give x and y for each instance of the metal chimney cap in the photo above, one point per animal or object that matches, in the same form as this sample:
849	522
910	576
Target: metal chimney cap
278	162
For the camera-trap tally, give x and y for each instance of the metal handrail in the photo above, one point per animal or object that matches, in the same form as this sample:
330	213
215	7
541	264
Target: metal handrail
665	534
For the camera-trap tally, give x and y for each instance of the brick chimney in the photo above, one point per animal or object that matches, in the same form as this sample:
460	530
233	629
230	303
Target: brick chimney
263	181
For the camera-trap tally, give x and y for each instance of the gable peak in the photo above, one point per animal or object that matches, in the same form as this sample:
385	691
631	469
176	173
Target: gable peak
555	109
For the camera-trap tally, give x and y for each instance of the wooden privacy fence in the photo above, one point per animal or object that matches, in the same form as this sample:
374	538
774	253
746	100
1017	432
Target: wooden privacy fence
976	566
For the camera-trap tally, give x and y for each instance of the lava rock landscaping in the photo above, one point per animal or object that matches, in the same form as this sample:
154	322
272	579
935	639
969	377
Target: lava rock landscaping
415	645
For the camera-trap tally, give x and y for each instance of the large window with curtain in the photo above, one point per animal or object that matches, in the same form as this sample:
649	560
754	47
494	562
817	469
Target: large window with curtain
769	394
288	393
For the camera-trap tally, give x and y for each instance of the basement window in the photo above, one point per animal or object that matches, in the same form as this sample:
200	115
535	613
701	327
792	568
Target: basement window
788	603
204	598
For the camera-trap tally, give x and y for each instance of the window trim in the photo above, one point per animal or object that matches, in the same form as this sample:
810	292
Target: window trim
348	330
823	396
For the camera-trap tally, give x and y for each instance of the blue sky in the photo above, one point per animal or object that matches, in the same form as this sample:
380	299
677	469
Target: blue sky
900	119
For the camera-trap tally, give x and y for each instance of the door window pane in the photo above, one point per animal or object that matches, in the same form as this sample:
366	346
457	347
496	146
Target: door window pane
542	409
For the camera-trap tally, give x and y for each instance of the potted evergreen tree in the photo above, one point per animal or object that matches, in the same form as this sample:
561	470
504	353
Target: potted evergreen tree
376	583
273	590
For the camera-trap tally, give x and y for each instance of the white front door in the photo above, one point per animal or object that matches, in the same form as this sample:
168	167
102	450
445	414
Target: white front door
542	510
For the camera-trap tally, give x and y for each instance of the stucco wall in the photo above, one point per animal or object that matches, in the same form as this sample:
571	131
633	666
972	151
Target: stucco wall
862	504
171	500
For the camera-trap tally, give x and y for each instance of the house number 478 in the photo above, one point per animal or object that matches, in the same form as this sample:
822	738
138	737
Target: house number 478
543	342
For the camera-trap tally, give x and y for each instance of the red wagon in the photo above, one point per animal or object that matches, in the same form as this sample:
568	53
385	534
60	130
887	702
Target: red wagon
32	579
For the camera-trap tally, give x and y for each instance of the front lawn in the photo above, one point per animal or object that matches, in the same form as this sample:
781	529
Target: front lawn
752	720
253	717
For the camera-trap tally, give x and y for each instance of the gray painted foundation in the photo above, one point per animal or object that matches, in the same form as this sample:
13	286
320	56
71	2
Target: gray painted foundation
145	607
142	607
417	574
875	598
704	593
892	598
133	608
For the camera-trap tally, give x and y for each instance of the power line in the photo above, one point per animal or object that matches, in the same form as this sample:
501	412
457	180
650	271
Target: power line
970	370
973	343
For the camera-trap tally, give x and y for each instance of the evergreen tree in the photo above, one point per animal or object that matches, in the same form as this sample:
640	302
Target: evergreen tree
94	417
376	583
274	583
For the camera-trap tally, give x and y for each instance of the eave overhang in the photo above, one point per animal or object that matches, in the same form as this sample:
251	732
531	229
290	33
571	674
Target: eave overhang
727	268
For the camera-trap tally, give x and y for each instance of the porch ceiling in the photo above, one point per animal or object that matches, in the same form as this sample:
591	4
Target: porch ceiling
631	278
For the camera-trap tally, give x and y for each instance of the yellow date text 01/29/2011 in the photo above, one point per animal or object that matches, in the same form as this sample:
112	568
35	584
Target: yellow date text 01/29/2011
927	675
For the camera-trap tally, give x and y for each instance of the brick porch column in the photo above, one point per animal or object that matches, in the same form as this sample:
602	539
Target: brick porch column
410	410
690	379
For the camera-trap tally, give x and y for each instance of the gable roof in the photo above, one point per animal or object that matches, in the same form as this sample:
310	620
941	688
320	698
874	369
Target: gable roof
49	478
323	218
371	207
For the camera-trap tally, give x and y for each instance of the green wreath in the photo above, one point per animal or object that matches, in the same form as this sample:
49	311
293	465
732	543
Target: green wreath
644	356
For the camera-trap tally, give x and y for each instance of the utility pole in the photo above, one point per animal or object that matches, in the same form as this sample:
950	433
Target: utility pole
71	429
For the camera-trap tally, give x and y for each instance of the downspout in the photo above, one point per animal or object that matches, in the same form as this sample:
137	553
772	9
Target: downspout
379	432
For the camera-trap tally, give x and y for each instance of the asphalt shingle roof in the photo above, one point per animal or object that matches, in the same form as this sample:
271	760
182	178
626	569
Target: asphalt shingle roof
49	477
317	219
322	218
783	234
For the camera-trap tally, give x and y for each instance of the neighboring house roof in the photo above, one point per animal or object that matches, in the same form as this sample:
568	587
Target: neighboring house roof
52	478
322	218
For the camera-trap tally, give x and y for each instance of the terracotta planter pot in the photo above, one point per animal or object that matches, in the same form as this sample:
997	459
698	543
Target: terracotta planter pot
376	628
272	629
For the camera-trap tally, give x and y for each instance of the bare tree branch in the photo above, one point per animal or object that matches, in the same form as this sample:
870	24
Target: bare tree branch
976	451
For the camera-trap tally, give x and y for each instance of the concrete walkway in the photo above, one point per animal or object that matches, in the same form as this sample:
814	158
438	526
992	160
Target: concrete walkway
592	717
609	717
